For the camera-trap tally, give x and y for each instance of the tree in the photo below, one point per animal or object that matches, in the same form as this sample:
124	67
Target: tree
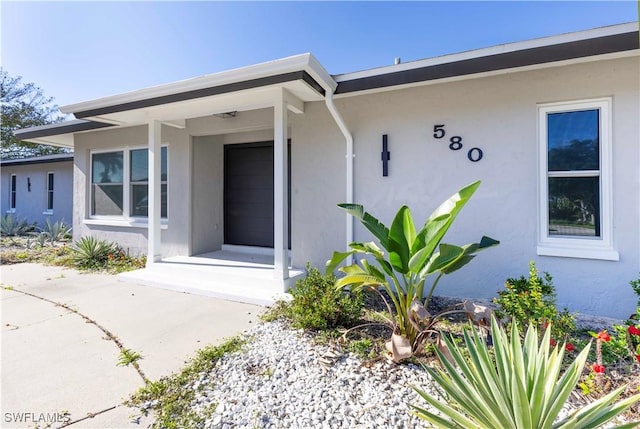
24	105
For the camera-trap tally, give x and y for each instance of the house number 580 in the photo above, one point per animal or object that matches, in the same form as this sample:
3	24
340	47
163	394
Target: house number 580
455	143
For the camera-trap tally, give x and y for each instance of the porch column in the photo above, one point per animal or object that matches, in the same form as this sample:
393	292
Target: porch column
155	157
280	198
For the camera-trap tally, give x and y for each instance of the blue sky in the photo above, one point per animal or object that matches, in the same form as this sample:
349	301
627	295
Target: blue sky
76	51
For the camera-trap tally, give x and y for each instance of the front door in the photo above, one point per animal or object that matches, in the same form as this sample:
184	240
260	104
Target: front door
248	194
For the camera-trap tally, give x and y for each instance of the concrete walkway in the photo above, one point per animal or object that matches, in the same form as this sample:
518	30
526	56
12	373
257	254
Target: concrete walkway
54	361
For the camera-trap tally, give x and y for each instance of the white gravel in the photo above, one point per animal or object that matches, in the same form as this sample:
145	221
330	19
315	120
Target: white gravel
279	381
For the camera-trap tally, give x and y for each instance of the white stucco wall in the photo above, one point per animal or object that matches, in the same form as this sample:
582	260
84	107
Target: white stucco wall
32	205
499	115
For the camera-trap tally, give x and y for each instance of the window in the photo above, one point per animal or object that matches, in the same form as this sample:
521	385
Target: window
107	182
124	192
12	193
139	175
50	192
575	185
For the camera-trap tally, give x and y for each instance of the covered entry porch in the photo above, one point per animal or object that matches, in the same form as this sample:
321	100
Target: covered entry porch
231	274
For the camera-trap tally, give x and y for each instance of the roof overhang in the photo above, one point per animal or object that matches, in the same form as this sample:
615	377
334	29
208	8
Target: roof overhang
246	88
59	134
601	43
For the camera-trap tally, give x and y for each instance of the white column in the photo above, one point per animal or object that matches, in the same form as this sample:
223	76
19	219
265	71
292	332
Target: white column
280	198
155	157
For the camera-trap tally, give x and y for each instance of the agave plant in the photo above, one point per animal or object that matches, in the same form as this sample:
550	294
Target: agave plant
412	257
11	226
89	252
57	231
517	386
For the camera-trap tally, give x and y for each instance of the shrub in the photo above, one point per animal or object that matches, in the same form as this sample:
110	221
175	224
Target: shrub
533	301
518	385
318	305
11	226
412	256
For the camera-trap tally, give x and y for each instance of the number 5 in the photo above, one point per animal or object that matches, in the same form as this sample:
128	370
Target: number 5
438	131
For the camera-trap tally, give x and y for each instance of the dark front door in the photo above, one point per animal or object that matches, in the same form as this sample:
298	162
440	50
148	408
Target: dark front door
248	194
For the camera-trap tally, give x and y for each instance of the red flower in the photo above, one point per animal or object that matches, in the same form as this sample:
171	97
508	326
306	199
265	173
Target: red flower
638	358
552	342
598	369
604	336
633	330
569	347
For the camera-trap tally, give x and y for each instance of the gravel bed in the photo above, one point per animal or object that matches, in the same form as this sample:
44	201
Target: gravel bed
281	379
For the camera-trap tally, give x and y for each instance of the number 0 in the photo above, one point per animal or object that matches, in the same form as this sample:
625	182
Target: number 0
474	154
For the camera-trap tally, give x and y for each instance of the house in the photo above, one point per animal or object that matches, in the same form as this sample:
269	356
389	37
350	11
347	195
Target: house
38	189
255	159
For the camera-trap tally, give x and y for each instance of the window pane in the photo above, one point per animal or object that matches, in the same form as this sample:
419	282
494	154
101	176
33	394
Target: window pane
574	206
139	200
107	167
50	200
573	140
50	182
139	165
163	200
107	200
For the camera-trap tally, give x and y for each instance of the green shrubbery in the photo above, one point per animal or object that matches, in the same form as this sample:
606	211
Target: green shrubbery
89	253
318	305
11	226
532	301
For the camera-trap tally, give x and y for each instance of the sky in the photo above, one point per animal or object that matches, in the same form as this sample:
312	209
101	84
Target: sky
78	51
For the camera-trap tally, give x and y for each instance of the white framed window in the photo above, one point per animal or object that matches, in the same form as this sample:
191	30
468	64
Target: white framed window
13	190
50	179
575	190
119	184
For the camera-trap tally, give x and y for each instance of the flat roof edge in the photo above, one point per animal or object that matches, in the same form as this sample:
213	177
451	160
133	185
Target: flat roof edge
540	55
68	127
46	159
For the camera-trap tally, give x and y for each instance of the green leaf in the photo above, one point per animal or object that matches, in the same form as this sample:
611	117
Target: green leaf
401	235
336	260
374	226
447	255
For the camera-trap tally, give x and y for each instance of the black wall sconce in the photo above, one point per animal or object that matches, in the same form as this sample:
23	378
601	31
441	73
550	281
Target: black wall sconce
386	156
28	184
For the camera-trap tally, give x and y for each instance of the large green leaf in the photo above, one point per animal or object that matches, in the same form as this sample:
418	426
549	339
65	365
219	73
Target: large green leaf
377	228
336	260
401	236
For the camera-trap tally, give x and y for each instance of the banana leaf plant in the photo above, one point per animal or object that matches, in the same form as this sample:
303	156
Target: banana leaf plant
411	257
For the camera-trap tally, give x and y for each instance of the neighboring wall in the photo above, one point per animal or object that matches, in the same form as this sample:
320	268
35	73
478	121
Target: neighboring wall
499	115
31	202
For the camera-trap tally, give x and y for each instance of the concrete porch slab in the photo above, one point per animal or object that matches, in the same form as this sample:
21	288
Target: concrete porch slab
234	276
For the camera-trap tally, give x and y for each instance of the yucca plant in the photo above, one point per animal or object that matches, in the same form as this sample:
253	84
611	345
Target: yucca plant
412	257
57	231
89	252
11	226
517	386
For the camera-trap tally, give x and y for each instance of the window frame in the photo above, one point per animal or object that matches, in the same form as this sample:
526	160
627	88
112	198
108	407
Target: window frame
575	246
49	192
13	192
125	219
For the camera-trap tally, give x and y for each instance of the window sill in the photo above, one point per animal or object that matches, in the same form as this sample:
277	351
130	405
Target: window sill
48	212
604	253
124	223
11	211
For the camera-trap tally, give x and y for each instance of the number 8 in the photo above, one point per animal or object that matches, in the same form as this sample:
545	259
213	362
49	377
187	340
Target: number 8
456	143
